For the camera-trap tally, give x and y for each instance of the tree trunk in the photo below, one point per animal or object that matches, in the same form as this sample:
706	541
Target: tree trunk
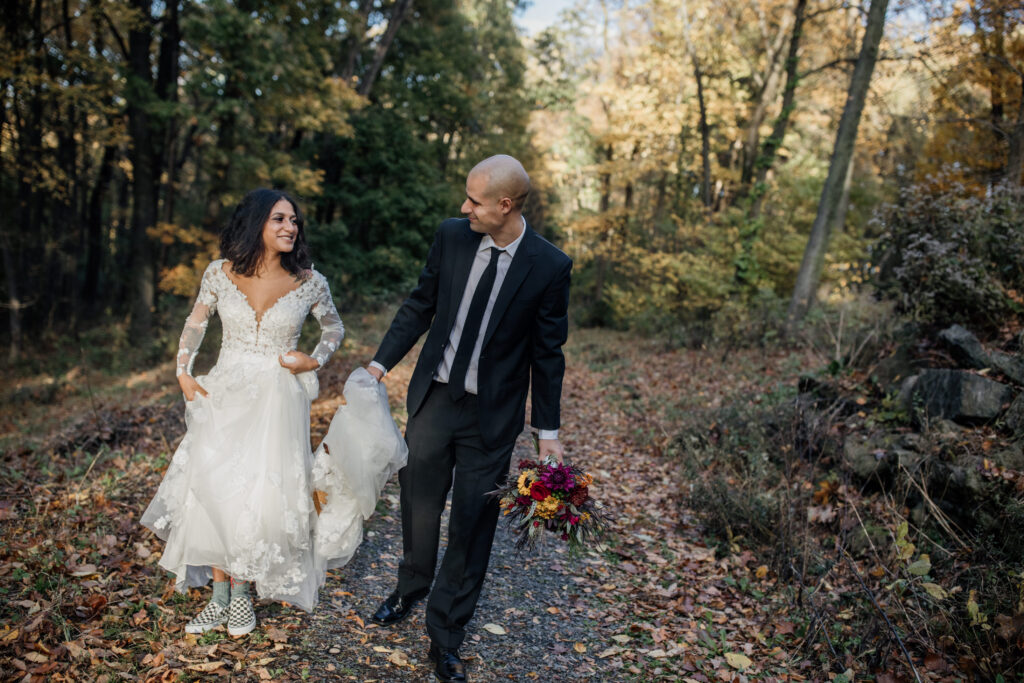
398	14
771	146
766	97
144	205
13	302
1015	159
705	135
601	263
94	231
354	40
814	254
29	151
168	70
843	208
705	129
627	201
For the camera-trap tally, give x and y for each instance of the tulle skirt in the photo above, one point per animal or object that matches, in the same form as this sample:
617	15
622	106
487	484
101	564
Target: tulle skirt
238	493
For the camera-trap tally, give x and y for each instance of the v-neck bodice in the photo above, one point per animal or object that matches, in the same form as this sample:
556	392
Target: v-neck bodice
275	332
258	315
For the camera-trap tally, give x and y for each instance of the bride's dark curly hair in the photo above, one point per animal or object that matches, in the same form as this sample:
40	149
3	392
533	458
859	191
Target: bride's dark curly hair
241	242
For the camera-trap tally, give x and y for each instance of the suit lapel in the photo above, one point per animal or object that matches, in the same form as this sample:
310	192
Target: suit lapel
520	267
463	263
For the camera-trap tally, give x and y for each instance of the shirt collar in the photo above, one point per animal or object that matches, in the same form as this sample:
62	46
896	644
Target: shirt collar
487	242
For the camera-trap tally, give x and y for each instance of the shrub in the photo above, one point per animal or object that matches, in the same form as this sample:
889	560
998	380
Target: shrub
947	255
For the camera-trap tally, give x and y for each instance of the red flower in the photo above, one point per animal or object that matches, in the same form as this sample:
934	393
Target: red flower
522	500
527	465
539	491
579	496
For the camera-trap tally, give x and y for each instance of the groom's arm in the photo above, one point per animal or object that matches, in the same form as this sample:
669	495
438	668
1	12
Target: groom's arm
415	315
551	329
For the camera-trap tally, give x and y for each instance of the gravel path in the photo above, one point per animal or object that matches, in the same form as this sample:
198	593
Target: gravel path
531	596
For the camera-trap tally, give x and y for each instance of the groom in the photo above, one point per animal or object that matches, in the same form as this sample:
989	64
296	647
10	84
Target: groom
493	299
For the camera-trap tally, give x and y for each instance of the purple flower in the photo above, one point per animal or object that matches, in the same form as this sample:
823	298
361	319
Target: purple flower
558	478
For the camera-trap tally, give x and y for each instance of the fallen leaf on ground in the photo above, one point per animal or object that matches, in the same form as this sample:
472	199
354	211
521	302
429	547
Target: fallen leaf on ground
737	661
276	635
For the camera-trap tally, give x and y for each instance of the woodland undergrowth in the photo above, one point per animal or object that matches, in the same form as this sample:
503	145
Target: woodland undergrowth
890	576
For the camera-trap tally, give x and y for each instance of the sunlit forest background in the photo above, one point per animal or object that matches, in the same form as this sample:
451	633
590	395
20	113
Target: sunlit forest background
795	354
679	150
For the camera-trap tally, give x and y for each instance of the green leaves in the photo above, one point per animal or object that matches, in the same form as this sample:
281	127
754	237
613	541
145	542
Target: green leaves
922	566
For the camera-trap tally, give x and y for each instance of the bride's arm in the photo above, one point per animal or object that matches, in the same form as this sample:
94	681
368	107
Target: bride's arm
193	333
332	331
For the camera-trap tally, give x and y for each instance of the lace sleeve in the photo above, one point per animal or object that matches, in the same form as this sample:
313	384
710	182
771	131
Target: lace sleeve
196	322
332	331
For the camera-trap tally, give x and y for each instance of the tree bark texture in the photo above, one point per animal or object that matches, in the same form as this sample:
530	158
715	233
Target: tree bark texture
398	14
765	98
814	255
770	148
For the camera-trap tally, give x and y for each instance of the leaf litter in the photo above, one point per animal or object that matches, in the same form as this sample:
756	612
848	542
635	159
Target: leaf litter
86	598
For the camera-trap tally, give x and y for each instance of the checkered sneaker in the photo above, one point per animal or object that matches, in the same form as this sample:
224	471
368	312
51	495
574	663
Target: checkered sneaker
241	617
212	616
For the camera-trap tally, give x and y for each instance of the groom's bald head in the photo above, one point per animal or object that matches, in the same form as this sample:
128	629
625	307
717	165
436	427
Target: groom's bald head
504	177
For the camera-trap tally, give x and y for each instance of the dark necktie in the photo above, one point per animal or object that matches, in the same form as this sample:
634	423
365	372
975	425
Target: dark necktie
471	329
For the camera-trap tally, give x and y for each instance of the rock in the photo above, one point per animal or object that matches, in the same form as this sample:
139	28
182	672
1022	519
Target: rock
956	395
964	347
959	485
892	370
1014	417
910	459
1011	457
868	458
1011	366
968	352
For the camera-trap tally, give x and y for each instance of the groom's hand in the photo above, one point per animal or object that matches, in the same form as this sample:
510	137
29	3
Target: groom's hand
552	447
375	371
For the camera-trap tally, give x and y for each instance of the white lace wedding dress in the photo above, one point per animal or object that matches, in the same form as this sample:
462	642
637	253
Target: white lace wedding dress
237	494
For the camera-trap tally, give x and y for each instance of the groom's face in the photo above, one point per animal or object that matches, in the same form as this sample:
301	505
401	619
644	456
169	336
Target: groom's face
484	211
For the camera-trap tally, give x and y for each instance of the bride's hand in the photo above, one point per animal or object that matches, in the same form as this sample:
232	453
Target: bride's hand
297	361
190	387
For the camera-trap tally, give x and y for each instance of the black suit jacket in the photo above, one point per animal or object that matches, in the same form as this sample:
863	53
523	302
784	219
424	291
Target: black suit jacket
524	336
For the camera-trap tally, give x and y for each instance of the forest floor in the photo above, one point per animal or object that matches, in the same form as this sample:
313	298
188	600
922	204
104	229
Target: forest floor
83	598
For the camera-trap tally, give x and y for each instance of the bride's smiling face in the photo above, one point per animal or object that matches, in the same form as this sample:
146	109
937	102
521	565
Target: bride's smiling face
281	229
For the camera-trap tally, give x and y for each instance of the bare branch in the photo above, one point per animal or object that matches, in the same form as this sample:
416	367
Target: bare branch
848	60
827	10
999	59
117	35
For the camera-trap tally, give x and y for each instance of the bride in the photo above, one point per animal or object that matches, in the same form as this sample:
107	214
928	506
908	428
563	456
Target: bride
239	502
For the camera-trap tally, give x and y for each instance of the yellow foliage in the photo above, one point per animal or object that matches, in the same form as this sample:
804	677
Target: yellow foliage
183	279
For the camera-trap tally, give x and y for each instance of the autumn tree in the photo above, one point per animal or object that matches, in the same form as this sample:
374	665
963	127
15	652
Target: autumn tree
976	65
839	166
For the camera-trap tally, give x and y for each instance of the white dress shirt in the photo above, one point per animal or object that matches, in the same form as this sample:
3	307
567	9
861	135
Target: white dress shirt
476	271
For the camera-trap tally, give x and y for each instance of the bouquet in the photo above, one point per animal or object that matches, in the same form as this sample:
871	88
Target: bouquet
552	497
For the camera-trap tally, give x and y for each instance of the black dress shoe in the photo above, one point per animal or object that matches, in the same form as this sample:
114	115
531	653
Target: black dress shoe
394	609
448	667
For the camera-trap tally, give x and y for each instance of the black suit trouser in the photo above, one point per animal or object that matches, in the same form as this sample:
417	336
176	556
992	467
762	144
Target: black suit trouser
446	452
